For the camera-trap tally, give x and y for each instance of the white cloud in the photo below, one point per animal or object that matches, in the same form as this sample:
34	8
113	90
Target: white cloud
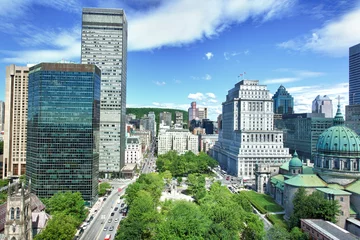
207	77
209	55
228	55
196	96
199	19
160	83
280	80
177	81
334	38
211	95
212	100
309	74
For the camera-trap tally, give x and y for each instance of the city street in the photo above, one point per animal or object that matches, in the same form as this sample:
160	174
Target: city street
95	230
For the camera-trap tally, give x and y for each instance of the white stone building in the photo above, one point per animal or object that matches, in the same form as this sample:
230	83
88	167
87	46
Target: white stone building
247	136
133	153
207	142
144	137
180	140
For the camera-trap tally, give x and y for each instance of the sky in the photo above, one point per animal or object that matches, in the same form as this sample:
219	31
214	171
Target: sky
181	51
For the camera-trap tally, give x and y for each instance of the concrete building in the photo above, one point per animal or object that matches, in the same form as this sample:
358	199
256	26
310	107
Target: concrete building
15	129
247	136
202	113
165	118
192	112
302	130
208	126
323	104
180	140
207	142
130	117
179	118
104	43
63	129
283	101
148	123
354	75
144	138
133	153
2	115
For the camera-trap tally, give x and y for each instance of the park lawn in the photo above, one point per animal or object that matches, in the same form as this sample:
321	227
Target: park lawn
277	219
264	203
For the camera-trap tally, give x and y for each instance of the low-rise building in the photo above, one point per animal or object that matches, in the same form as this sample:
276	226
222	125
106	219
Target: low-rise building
144	137
180	140
133	153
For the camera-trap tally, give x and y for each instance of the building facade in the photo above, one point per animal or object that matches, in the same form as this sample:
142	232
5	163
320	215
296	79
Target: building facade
302	130
354	75
323	104
180	140
63	129
15	129
192	112
202	113
179	118
144	137
283	101
133	153
247	136
104	43
148	123
2	115
165	118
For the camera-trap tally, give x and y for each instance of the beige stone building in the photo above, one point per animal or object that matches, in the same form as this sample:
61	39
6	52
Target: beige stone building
16	98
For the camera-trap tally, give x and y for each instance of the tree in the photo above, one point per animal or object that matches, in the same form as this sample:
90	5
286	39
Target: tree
297	234
61	227
277	233
142	218
254	228
313	206
103	188
68	203
183	221
166	175
196	186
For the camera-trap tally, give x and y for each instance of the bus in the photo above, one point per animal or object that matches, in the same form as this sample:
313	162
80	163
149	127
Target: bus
107	237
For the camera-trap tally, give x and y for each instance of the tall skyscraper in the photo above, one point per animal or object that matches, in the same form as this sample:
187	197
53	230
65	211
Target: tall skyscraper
2	115
104	43
323	104
247	136
16	98
178	117
63	129
202	113
354	75
283	101
193	111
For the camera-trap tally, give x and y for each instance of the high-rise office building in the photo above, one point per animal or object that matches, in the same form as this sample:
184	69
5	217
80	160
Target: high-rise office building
283	101
202	113
104	43
247	136
323	104
179	118
165	118
193	111
63	129
354	75
16	98
2	115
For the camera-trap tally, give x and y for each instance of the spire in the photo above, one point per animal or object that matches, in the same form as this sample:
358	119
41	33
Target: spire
295	155
338	119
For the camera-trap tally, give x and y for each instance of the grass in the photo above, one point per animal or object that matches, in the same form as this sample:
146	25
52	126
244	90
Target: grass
264	203
277	219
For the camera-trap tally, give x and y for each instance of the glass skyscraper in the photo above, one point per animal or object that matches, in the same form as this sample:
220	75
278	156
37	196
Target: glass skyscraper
104	43
283	101
63	129
354	75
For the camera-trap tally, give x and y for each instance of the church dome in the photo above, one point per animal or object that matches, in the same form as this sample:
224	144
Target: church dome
295	161
338	139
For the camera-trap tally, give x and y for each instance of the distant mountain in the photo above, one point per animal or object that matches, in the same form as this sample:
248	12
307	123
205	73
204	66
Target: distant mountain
140	112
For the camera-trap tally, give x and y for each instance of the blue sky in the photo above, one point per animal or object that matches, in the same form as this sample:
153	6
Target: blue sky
185	50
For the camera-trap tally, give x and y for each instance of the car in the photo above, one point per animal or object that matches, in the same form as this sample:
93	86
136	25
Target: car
110	220
116	220
113	213
105	228
95	211
104	199
102	222
122	205
111	228
115	209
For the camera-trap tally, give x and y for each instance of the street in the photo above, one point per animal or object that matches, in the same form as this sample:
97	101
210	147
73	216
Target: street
95	230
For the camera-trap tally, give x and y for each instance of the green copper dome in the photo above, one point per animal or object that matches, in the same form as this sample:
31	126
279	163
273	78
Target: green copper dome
338	139
295	161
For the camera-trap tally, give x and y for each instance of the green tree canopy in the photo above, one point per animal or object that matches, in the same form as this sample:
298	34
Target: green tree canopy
68	203
61	227
103	187
196	186
313	206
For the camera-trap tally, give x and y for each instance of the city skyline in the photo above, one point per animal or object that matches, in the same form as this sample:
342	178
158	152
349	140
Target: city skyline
302	45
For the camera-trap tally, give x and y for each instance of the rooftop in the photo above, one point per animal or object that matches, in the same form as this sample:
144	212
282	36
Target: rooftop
333	191
354	187
329	229
306	180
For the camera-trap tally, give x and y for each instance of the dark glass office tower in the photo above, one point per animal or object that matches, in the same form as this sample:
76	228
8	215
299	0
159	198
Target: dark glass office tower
63	129
354	75
283	101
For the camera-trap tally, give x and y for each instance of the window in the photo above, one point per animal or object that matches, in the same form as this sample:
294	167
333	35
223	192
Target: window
17	213
341	199
12	213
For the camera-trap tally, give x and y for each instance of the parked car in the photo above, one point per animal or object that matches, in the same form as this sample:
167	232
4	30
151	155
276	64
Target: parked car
105	228
111	228
113	213
110	220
